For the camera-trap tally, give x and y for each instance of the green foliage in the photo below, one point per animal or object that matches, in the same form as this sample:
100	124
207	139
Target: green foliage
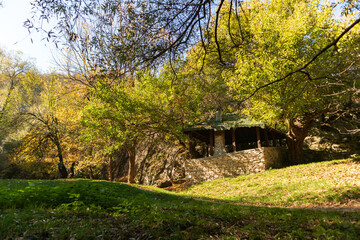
122	114
285	36
130	111
273	39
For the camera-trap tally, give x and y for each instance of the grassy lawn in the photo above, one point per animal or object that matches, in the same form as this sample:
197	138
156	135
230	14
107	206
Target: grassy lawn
84	209
324	184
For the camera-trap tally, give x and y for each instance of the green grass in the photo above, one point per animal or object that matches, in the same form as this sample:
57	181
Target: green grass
322	184
84	209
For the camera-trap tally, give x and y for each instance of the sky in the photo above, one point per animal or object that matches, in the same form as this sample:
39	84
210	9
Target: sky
13	36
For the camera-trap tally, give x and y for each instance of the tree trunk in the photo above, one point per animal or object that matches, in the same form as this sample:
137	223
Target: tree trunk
298	130
61	166
91	174
55	139
62	170
111	169
72	170
131	174
295	148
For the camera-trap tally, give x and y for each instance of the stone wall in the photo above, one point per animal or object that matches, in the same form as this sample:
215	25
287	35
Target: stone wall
274	157
233	164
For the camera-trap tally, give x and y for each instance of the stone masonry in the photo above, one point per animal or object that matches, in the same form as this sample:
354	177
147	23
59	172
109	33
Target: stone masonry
233	164
219	139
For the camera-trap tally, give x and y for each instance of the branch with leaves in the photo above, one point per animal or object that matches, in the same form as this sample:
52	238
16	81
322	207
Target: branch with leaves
303	68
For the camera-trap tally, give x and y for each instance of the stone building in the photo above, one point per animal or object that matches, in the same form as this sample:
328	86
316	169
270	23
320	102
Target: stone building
230	145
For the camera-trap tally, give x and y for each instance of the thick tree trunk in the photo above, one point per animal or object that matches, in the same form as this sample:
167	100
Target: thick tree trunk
298	130
131	174
295	148
62	170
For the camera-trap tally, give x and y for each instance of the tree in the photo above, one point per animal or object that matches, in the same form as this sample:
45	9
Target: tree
109	46
282	37
121	115
162	26
12	71
52	116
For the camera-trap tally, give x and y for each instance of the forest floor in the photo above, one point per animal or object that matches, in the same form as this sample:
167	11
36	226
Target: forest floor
312	201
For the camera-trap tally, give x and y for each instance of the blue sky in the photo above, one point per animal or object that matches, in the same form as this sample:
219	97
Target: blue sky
13	36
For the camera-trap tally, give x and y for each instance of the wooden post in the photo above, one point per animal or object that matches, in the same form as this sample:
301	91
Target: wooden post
211	142
258	137
266	138
233	139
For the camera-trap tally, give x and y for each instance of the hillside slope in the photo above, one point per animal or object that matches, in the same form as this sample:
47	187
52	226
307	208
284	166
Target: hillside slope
323	184
84	209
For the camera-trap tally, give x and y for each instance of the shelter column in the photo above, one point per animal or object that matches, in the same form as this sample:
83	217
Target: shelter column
233	139
211	142
219	143
258	137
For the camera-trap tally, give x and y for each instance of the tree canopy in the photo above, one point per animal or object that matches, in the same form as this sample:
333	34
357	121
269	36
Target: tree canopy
148	68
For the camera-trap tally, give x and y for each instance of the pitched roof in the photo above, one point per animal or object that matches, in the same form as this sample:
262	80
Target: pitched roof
229	120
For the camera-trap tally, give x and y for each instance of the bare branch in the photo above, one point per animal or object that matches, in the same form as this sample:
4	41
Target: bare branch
216	31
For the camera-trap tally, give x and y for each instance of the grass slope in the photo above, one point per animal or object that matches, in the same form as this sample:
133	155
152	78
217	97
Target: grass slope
324	184
84	209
